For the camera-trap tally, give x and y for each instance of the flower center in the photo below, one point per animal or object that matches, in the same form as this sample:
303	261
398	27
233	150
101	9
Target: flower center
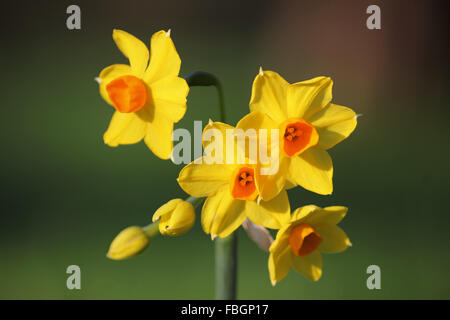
243	184
127	93
298	136
304	240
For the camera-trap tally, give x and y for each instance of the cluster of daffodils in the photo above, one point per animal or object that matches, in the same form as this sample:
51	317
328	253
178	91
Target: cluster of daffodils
246	190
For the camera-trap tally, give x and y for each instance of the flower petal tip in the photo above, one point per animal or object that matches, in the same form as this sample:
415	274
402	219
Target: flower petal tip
357	116
349	244
210	122
261	72
98	80
168	33
213	236
259	200
274	283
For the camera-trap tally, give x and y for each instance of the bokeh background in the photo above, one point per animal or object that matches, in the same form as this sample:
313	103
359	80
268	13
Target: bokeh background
65	195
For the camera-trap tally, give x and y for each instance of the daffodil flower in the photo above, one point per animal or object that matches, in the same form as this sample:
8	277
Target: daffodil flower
308	123
148	95
300	242
231	189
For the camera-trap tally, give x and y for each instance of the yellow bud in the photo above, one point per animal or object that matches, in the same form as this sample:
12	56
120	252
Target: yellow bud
175	217
129	242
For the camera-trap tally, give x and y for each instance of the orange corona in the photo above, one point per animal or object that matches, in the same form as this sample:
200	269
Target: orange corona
304	240
243	184
297	136
127	93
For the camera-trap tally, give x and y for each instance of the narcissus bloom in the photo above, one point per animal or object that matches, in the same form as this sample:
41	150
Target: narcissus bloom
148	95
308	123
231	189
300	243
175	217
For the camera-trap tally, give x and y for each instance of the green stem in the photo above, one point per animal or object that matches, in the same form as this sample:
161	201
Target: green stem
225	249
226	267
195	201
205	79
152	229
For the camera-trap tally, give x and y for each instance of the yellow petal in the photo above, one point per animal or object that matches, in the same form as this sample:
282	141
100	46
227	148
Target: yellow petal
269	186
289	184
334	239
280	263
257	120
134	49
125	128
269	95
169	95
327	216
220	127
166	209
201	180
333	123
309	265
110	73
303	213
159	133
306	98
282	239
280	259
234	150
270	214
313	170
209	208
262	126
164	59
222	214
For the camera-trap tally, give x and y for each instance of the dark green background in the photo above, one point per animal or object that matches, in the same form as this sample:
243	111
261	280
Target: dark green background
65	194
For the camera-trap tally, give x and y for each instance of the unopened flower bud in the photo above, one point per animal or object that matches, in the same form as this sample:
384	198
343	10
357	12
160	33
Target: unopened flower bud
175	217
129	242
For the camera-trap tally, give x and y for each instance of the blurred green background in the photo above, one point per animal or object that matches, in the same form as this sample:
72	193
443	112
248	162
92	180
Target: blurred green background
65	194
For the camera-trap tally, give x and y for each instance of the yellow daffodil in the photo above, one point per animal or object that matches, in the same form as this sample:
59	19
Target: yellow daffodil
148	95
231	188
129	242
300	242
175	217
308	124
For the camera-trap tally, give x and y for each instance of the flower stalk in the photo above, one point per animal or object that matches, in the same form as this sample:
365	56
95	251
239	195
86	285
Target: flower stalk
205	79
195	201
226	248
152	229
226	267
